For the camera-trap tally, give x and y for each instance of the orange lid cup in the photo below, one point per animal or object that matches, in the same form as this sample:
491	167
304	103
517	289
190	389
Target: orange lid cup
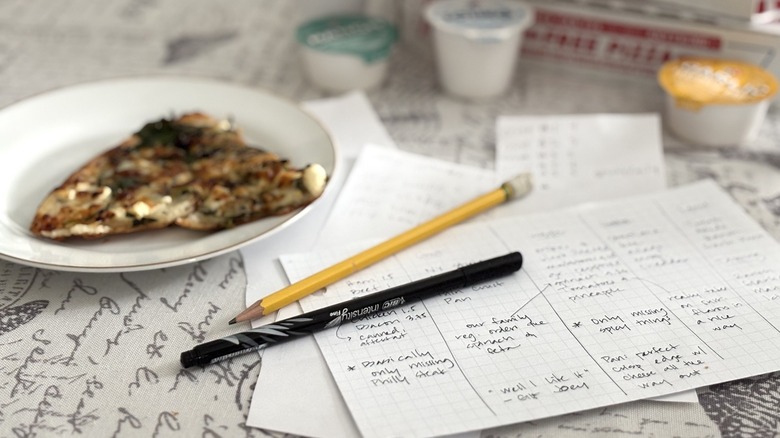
694	82
715	102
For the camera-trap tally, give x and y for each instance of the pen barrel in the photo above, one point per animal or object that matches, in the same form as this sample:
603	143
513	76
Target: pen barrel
332	316
492	268
398	295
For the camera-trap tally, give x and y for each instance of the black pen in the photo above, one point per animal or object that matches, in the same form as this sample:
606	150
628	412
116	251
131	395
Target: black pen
331	316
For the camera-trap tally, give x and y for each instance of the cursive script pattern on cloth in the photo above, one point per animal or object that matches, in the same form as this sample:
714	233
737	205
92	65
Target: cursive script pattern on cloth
98	354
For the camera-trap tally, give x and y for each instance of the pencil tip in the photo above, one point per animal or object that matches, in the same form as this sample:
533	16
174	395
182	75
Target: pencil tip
232	321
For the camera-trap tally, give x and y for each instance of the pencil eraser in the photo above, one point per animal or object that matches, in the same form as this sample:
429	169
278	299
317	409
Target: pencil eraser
518	186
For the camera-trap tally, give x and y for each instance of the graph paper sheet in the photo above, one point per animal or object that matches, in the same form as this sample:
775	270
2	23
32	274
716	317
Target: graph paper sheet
618	301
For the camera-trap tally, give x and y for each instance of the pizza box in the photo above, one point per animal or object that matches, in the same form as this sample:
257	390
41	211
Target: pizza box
713	10
607	40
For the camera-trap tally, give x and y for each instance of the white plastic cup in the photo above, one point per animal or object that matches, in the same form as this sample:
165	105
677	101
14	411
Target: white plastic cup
477	44
346	52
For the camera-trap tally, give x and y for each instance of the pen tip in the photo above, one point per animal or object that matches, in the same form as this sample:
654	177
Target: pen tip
232	321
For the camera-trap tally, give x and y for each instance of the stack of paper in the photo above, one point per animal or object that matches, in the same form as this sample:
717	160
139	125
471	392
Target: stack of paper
617	301
389	191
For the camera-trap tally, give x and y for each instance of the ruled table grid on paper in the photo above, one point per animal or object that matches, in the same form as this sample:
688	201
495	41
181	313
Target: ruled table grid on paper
674	279
709	276
615	302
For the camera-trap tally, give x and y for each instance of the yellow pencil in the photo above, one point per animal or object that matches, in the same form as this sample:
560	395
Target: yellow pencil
515	188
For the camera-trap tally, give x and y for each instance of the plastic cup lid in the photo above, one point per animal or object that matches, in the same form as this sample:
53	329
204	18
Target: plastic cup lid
365	37
479	18
695	82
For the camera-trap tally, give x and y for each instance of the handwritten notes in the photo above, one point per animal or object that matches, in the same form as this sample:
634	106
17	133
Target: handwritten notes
616	302
580	158
389	191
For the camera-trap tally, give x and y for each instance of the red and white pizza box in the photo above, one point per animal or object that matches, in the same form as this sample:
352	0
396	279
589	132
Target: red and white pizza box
583	36
606	40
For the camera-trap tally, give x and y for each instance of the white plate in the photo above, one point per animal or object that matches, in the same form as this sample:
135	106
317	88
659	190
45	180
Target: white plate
45	138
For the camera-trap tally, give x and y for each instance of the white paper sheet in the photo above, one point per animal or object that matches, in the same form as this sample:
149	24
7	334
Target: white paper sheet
390	191
381	181
352	122
616	302
580	158
297	367
271	405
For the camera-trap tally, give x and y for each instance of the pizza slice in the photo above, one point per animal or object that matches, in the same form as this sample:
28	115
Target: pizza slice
194	172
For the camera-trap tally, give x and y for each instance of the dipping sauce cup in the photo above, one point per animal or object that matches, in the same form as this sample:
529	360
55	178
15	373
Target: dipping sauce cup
716	102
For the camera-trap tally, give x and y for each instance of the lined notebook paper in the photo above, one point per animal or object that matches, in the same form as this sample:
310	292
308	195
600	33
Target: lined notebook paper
619	301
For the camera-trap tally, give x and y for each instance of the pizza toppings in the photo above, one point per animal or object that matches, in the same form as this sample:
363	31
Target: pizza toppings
194	172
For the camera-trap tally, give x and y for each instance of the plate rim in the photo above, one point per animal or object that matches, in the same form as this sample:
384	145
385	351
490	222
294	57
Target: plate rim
211	253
